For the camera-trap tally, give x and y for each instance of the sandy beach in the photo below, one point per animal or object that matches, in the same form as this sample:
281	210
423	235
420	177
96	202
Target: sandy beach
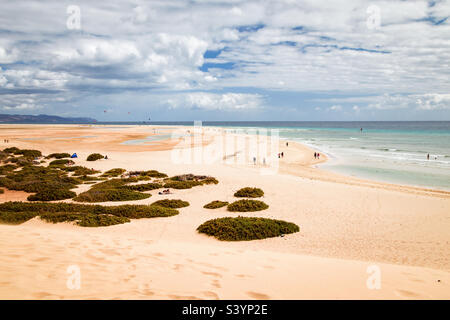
348	228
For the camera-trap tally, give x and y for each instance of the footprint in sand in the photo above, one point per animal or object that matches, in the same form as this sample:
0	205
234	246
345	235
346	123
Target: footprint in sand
258	296
216	284
211	295
407	294
214	274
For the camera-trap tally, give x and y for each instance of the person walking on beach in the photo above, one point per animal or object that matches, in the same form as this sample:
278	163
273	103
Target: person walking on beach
287	144
428	156
315	155
318	155
282	154
254	160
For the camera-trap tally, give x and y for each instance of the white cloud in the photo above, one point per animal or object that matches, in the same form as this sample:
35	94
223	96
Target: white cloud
213	101
335	108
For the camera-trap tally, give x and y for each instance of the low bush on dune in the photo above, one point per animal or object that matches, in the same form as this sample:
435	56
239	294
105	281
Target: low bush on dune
154	174
48	183
84	219
113	172
249	193
143	187
21	161
10	217
181	184
166	203
51	195
247	205
7	168
95	157
61	162
194	178
80	170
105	195
215	204
127	210
3	155
12	150
26	152
58	155
2	191
243	228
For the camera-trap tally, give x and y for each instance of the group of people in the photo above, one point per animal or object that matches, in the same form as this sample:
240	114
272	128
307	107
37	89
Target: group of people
5	140
316	155
280	155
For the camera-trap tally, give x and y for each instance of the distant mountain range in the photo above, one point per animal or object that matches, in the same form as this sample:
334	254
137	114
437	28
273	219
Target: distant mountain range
41	118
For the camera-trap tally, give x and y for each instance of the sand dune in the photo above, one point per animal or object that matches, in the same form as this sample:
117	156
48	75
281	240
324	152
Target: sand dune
346	225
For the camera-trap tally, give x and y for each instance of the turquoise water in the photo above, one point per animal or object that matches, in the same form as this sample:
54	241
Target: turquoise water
393	152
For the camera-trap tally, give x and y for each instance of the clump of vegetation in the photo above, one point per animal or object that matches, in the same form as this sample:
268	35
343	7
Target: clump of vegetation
85	220
95	157
113	172
187	181
2	191
51	195
58	155
144	187
46	182
247	205
166	203
105	195
9	217
244	229
61	162
154	174
129	211
7	168
249	193
181	184
26	152
80	170
215	204
11	150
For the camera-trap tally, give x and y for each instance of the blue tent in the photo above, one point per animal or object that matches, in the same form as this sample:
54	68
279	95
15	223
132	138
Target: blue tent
74	156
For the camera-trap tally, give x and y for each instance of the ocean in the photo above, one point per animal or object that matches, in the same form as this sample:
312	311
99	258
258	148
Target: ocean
394	152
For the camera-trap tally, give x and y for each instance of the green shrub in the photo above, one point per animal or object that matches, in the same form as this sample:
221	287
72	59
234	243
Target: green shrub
154	174
51	195
61	162
2	191
249	193
29	153
247	205
127	210
7	168
58	155
113	172
242	228
10	217
143	187
215	204
166	203
104	195
181	184
82	171
85	219
47	182
11	150
95	157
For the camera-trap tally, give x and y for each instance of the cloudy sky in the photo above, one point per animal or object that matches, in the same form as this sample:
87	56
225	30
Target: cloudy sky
226	60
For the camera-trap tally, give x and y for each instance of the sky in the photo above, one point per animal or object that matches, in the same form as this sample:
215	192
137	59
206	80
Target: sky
174	60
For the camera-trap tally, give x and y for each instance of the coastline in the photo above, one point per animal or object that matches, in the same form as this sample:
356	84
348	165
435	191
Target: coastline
346	224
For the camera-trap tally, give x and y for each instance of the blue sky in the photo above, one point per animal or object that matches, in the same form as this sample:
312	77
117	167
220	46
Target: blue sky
226	60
